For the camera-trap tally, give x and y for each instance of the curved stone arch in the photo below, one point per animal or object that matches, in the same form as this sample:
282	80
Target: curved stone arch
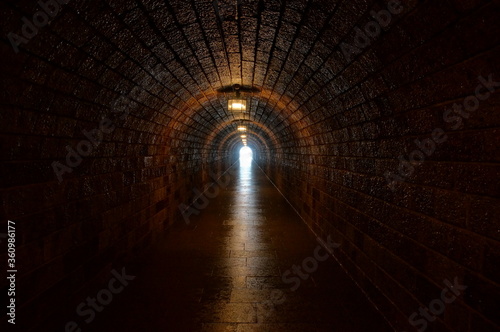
283	109
253	144
232	124
227	144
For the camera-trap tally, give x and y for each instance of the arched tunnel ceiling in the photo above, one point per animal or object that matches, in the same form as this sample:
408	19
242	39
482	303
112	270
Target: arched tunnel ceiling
245	47
171	58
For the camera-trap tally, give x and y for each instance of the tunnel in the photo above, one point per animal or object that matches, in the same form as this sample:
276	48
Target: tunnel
371	201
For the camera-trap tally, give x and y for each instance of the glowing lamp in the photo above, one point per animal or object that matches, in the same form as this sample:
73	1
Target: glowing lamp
237	105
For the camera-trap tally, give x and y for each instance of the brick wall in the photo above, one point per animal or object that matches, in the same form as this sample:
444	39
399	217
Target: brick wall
442	221
119	199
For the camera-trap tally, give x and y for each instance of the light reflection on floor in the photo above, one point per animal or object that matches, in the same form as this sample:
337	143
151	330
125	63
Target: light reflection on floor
220	275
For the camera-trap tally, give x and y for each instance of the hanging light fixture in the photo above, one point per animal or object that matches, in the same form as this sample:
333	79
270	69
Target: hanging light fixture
237	104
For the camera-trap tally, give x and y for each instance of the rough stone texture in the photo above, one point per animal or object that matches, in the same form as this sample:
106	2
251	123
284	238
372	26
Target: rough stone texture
324	127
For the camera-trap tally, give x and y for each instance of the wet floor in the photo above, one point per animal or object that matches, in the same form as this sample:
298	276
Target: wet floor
232	269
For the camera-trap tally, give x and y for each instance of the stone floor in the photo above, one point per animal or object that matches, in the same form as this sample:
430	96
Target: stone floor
224	272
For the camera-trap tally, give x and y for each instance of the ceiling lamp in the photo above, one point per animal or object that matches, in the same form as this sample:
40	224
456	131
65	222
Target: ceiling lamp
242	128
237	104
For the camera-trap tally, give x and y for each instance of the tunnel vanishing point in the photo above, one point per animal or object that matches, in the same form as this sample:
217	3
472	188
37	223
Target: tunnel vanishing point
371	202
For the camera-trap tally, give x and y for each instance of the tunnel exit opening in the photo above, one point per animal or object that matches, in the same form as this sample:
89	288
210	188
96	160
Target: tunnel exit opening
246	156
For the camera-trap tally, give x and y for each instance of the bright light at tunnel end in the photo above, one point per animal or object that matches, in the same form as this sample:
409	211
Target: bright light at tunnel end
246	156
